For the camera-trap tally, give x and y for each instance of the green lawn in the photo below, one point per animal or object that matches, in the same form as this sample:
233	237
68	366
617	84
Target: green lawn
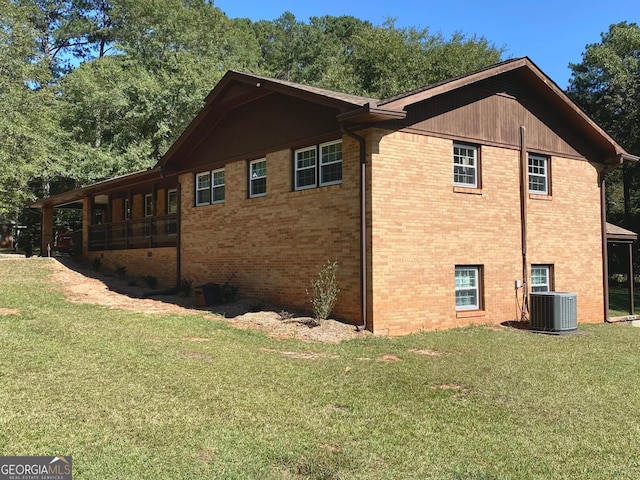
619	301
134	396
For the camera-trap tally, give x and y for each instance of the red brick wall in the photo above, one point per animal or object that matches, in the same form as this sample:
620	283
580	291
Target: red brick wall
422	229
275	245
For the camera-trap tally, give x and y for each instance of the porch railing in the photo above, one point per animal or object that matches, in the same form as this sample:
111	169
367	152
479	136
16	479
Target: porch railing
151	232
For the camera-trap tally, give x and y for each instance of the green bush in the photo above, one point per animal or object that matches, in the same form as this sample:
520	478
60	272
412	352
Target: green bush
96	264
185	287
150	280
325	291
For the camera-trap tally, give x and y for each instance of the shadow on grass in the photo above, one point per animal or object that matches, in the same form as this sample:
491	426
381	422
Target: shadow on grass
134	287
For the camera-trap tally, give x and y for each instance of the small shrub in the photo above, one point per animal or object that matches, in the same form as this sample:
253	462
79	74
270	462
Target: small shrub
228	293
121	270
25	243
96	264
185	287
150	280
284	315
325	291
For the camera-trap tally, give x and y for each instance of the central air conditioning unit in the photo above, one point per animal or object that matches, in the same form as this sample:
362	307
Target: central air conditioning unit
554	312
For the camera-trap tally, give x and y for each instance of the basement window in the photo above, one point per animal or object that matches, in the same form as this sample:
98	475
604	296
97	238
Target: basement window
468	287
538	174
541	278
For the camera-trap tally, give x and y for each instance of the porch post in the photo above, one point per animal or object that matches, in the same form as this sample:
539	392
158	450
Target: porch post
87	216
46	233
631	300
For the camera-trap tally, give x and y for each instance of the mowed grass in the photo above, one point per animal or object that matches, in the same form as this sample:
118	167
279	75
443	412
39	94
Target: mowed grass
619	301
135	396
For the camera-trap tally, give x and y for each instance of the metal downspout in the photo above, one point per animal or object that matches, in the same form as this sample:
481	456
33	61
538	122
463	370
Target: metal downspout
524	190
605	248
363	226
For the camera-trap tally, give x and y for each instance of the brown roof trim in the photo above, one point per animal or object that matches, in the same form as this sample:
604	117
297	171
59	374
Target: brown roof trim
73	196
616	233
264	86
430	91
369	113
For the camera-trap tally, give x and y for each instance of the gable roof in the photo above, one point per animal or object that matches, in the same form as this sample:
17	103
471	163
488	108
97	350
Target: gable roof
536	78
236	89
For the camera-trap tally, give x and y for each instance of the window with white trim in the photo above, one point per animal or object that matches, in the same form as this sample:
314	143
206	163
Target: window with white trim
172	201
258	178
217	186
331	163
148	205
541	278
203	188
311	172
468	291
538	174
465	165
306	166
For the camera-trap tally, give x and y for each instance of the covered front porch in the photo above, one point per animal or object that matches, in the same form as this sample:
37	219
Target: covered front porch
130	221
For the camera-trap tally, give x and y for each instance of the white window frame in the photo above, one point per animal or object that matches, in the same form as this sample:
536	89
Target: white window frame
476	271
541	287
148	212
169	193
199	189
458	162
324	164
541	170
218	186
313	167
253	178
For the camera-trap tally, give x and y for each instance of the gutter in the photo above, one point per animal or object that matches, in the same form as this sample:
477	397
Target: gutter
363	225
603	228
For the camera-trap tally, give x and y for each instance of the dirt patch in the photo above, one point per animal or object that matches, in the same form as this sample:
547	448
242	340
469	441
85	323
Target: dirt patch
303	355
9	311
389	358
83	285
198	356
426	351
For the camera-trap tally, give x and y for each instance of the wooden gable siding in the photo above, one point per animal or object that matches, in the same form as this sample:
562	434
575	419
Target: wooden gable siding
492	111
264	125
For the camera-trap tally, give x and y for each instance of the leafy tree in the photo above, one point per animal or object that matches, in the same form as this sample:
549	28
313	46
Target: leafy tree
606	84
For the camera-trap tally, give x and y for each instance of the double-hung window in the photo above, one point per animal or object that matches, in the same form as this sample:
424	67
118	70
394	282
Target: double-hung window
541	278
217	186
538	174
331	163
465	165
319	165
148	212
258	178
468	287
172	201
203	188
306	167
210	187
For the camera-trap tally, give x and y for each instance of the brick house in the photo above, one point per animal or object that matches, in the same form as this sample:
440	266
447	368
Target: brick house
434	203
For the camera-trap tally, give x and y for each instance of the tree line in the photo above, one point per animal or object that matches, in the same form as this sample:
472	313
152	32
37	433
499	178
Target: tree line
91	89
